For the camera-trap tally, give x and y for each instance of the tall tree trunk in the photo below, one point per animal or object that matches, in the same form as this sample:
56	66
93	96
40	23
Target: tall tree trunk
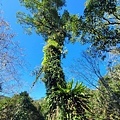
53	73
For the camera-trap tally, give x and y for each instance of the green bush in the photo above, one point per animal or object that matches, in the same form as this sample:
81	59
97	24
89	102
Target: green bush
19	107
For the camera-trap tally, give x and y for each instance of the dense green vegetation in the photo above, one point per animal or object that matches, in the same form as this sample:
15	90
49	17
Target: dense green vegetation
100	28
19	107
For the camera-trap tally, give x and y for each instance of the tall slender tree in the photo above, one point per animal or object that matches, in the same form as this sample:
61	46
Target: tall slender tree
47	19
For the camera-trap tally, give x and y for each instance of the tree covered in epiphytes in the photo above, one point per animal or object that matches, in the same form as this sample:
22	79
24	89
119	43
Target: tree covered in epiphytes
101	26
47	19
55	26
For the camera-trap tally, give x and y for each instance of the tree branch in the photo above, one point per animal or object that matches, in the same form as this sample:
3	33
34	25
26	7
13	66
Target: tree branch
110	23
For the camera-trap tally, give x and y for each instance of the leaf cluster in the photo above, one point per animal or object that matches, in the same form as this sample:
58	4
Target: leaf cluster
72	101
101	22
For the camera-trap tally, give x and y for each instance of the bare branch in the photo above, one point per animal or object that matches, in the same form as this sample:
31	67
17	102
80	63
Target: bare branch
10	59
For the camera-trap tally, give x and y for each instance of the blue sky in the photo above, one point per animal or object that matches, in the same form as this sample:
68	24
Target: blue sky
33	44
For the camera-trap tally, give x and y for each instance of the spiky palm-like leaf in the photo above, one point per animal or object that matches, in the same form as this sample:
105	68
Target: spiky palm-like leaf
72	100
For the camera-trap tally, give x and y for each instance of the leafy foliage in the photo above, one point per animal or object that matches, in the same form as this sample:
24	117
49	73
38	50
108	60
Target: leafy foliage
104	102
101	22
112	96
19	107
44	107
48	21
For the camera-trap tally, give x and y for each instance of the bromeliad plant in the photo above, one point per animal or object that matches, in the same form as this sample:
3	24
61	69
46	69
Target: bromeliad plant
72	101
